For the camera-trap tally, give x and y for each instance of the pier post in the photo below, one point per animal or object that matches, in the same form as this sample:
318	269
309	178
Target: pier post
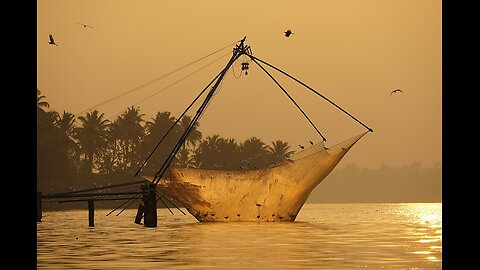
150	203
39	206
91	213
141	210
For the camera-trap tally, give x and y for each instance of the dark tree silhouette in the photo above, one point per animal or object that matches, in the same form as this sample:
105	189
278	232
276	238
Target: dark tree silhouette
126	135
155	130
279	151
217	153
40	103
255	152
91	136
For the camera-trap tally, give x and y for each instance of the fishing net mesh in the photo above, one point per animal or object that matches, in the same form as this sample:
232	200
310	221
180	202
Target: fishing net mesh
275	193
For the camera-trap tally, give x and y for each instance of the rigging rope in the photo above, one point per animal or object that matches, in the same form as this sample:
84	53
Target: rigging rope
197	116
176	122
183	78
311	89
161	77
284	91
148	83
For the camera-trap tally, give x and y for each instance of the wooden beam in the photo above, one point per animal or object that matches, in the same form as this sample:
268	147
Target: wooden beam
39	206
91	213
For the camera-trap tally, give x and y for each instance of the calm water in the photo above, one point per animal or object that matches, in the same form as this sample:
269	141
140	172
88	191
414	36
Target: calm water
324	236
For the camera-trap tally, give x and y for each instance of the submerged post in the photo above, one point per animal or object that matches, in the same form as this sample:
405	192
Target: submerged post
39	206
91	213
139	216
150	205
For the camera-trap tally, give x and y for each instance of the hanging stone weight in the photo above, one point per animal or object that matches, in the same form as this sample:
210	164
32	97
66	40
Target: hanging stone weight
245	67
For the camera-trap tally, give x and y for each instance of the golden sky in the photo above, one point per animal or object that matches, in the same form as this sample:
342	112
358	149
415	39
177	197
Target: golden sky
353	52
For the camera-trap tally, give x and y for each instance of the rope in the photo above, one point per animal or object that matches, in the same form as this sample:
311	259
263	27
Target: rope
176	122
304	114
183	78
197	116
149	82
233	71
158	78
97	188
298	81
134	198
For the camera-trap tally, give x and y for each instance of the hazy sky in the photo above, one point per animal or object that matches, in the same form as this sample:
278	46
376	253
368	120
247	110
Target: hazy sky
353	52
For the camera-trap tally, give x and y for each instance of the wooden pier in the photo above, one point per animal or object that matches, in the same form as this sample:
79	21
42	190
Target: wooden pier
147	209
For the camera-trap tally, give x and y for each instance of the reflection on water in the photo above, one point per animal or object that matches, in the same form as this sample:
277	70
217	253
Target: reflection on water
325	236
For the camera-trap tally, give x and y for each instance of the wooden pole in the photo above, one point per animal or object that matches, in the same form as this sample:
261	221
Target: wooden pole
150	203
91	213
141	210
39	206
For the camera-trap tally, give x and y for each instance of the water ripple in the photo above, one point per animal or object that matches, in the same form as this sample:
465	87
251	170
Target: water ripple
325	236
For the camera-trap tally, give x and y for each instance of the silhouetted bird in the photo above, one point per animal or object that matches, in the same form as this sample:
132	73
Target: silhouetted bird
52	41
395	91
301	146
85	25
311	142
288	33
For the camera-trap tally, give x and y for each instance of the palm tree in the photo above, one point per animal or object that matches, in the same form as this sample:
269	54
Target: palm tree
50	119
129	133
217	153
183	159
41	104
66	123
91	136
206	156
55	150
108	164
255	152
195	135
229	154
279	151
155	131
66	126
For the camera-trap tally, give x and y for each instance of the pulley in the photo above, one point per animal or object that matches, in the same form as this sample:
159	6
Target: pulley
245	67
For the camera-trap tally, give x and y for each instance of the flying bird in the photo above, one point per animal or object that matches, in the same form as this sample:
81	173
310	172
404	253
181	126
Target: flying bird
395	91
85	25
52	41
288	33
311	142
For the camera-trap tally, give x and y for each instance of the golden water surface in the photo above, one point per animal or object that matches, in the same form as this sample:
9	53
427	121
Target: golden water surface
324	236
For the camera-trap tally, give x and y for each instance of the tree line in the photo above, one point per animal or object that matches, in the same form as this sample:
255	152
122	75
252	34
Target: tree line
85	150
